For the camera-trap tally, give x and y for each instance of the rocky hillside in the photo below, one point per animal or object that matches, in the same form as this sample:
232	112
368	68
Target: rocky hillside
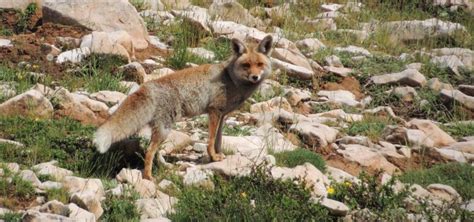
368	114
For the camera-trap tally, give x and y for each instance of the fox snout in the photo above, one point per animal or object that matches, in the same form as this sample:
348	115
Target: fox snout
255	77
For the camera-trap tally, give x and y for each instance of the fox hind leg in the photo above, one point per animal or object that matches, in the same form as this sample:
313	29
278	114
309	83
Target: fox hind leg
157	137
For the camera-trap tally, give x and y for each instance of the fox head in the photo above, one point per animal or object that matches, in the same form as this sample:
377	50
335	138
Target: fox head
251	63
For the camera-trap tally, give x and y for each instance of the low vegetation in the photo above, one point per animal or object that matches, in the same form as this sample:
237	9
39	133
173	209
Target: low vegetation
256	197
299	157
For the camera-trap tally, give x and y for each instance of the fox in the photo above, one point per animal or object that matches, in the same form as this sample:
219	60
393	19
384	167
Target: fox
212	89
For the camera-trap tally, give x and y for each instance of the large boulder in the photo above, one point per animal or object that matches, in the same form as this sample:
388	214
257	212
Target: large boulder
104	15
432	131
30	103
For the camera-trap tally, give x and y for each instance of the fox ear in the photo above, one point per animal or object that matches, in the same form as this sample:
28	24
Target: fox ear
238	47
265	45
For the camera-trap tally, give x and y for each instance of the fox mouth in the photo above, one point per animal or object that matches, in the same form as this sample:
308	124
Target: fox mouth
254	79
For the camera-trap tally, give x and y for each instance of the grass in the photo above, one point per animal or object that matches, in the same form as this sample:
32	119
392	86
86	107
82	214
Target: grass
256	197
64	140
11	217
60	194
371	127
236	130
298	157
24	18
14	189
121	208
458	175
459	129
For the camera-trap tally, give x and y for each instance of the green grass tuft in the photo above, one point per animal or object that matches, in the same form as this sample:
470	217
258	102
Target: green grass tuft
121	208
371	127
458	175
299	157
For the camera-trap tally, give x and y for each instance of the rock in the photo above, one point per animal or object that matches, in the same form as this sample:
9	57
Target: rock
293	70
78	214
273	140
202	53
339	114
452	62
16	4
340	176
469	206
55	207
197	16
271	105
73	56
117	43
467	89
50	169
5	43
335	207
80	185
437	85
11	142
322	24
292	57
416	65
106	16
158	73
88	200
251	147
242	32
49	185
331	7
359	35
401	135
79	107
233	11
340	71
108	97
145	188
30	103
409	77
7	89
155	41
466	56
432	131
175	141
340	97
454	155
154	208
13	167
68	43
406	93
445	192
366	157
306	173
130	176
456	96
198	177
314	134
158	219
310	45
33	216
422	29
295	96
333	61
176	4
232	165
165	184
354	50
30	176
465	147
133	72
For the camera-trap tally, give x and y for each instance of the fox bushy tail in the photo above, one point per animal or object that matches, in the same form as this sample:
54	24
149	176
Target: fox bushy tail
133	114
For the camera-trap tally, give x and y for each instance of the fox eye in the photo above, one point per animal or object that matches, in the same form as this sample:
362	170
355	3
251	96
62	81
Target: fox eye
260	64
246	65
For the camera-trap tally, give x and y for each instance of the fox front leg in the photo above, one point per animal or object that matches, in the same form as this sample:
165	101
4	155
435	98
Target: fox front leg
215	119
218	142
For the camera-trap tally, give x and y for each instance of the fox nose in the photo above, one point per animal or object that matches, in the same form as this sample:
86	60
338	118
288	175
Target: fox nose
255	78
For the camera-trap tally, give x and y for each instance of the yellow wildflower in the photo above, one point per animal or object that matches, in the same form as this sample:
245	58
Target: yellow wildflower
348	184
243	194
331	190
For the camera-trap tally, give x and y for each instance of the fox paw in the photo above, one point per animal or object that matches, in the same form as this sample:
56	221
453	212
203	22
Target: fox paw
217	157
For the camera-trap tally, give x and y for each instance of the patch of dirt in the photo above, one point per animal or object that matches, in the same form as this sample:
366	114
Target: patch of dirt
348	83
150	52
27	48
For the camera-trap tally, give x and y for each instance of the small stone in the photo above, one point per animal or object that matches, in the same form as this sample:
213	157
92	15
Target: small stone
409	77
31	177
335	207
88	200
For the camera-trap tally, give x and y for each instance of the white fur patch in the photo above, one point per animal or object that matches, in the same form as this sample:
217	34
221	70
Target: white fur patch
102	140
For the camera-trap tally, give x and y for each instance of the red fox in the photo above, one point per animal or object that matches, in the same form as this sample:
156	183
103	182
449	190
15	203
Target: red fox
214	89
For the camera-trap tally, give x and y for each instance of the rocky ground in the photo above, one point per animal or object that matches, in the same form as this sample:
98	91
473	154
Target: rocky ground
368	115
